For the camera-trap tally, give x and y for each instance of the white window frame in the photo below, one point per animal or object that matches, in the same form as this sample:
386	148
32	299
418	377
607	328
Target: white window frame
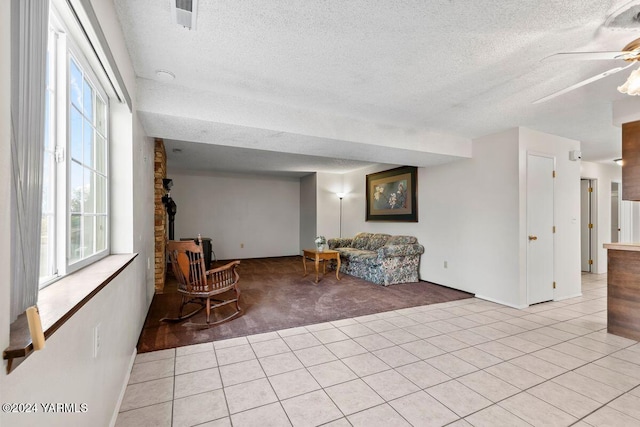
66	49
49	156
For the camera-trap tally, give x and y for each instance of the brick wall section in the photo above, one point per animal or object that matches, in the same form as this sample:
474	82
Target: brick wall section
160	214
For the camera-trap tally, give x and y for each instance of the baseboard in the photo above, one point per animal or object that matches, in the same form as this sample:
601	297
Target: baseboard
445	286
579	294
518	307
116	411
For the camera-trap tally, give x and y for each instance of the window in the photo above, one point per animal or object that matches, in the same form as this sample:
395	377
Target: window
75	214
88	176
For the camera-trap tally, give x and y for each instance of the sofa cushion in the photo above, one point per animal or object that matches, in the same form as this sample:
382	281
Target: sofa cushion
376	241
353	254
388	251
361	240
401	240
339	242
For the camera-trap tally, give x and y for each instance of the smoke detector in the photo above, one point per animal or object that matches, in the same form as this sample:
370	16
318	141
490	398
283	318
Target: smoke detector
184	12
164	75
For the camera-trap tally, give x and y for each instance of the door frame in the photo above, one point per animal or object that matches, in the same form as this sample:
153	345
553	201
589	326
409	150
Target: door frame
593	233
618	218
553	237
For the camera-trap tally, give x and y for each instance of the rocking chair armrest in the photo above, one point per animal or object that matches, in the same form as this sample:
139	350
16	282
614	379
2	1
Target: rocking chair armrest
224	267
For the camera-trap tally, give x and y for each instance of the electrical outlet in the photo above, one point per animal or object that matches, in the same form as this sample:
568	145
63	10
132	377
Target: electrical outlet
446	264
96	341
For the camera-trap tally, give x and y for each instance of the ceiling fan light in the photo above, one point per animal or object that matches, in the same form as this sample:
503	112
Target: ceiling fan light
632	85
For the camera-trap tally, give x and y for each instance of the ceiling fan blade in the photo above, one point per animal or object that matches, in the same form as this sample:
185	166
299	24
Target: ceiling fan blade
591	56
583	83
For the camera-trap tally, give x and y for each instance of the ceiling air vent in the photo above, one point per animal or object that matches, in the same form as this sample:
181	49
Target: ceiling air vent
184	13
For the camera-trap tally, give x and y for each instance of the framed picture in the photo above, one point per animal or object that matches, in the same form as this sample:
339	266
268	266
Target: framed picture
391	195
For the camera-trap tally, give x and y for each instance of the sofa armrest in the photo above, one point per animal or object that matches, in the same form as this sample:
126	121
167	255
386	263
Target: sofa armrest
343	242
388	251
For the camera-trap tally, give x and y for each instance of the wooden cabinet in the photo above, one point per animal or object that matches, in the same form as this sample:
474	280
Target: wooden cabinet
631	161
623	290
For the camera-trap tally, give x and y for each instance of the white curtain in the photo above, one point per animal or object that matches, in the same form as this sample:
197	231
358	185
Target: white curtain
28	85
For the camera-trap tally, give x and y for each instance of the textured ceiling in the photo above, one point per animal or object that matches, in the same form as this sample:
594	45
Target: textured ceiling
398	82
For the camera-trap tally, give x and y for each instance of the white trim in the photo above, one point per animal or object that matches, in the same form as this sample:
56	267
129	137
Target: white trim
579	294
87	19
123	389
518	307
68	50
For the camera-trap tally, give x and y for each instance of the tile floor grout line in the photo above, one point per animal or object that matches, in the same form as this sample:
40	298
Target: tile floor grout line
606	404
587	317
173	395
552	378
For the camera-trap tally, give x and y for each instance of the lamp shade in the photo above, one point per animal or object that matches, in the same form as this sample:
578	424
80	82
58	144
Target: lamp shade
632	85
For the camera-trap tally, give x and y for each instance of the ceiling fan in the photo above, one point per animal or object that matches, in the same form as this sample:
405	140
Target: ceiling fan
629	53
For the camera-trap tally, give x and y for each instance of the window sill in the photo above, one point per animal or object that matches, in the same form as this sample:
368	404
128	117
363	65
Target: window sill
58	302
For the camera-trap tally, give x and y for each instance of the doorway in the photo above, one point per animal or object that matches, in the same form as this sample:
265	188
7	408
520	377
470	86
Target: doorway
588	200
540	228
615	212
587	224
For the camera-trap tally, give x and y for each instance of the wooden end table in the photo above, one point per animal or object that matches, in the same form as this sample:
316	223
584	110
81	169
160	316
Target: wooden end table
317	255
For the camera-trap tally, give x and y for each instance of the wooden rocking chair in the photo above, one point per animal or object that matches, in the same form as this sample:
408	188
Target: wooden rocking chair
198	285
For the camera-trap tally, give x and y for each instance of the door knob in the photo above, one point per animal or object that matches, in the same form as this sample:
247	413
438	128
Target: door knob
533	237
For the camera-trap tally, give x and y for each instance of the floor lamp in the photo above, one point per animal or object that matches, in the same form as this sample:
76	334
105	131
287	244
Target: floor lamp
340	196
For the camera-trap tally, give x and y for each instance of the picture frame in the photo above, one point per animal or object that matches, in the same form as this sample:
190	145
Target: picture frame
391	195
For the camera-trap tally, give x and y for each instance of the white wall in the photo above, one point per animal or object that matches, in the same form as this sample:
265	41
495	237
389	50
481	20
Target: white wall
353	206
604	174
464	208
144	212
65	371
308	212
258	211
328	204
471	215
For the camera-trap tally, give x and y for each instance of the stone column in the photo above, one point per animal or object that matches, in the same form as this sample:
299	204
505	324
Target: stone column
160	223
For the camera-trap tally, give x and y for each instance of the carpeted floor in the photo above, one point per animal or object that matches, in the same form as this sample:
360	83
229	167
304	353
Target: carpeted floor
276	296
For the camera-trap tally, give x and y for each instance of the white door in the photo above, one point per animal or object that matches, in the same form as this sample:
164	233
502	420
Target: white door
540	171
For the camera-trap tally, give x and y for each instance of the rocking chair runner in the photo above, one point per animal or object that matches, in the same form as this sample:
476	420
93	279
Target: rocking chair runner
199	285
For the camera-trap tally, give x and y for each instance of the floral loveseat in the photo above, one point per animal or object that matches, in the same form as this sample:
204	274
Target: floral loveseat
379	258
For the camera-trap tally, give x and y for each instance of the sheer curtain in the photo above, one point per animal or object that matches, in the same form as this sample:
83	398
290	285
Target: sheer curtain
28	85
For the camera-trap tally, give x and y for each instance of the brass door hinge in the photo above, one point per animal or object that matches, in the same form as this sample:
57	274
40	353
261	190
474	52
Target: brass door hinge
590	225
590	189
554	174
554	228
590	262
554	285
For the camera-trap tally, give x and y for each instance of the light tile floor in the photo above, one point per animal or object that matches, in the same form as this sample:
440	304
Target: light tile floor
461	363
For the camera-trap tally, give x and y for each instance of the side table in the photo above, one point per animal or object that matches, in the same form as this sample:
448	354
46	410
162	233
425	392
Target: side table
317	255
